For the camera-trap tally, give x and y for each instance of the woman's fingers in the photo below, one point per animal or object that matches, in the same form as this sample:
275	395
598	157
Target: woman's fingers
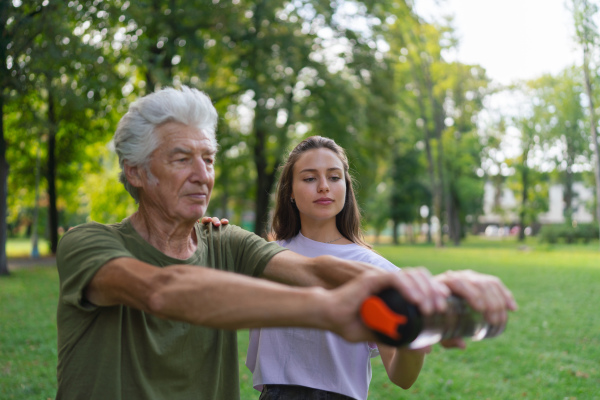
214	220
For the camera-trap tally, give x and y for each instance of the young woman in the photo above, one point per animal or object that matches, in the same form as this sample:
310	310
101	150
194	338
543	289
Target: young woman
316	214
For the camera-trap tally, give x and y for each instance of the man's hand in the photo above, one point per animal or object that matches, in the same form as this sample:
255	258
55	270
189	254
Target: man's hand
415	284
215	221
484	293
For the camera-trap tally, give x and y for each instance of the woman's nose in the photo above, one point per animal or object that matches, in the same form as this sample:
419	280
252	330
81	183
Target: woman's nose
324	187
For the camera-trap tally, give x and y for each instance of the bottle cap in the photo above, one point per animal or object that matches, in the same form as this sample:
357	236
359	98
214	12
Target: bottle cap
394	321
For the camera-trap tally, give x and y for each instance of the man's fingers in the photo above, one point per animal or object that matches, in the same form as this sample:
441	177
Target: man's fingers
418	287
453	343
485	293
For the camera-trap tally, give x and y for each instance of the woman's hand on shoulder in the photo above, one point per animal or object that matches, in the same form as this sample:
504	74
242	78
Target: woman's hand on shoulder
215	221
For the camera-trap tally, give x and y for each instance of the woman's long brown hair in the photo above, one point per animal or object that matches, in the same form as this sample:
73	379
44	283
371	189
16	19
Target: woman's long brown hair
286	218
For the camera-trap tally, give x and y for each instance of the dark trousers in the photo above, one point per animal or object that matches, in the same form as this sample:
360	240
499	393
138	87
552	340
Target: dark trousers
294	392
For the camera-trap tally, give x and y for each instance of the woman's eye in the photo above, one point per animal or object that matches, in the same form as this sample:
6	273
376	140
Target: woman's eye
335	178
309	179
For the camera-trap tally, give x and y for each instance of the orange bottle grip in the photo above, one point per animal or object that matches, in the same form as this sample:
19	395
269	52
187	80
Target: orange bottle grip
379	317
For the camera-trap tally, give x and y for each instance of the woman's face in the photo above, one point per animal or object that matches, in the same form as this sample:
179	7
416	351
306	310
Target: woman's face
319	186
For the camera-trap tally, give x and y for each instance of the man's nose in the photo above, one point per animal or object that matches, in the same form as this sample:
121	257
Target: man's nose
200	171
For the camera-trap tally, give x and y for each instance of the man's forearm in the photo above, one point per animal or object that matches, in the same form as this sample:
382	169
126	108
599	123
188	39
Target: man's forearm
206	296
324	271
231	301
226	300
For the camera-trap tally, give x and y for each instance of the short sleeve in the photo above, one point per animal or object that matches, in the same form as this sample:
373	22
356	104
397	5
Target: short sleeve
250	252
373	349
80	254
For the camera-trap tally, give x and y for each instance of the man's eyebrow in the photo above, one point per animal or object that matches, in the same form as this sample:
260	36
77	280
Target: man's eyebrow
315	170
212	151
186	150
178	150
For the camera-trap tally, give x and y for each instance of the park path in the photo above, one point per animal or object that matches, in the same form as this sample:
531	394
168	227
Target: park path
28	262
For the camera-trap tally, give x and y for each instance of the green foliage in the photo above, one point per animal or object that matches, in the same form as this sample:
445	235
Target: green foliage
277	72
568	233
105	196
408	193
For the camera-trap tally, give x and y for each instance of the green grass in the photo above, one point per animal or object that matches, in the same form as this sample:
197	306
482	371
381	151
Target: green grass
28	334
550	350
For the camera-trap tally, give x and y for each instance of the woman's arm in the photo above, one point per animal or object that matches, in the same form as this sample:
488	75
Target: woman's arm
402	364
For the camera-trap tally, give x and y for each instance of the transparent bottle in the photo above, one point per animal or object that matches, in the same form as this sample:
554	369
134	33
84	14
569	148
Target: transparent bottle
399	323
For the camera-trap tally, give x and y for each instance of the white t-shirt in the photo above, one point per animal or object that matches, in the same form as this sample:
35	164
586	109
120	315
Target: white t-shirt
311	357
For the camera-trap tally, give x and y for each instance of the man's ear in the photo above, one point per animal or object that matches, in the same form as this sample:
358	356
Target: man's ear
133	175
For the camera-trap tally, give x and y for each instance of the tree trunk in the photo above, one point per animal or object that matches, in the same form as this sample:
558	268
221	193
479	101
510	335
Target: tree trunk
265	177
395	232
3	191
262	188
429	238
3	163
440	190
438	121
568	194
525	196
593	130
36	206
454	226
51	175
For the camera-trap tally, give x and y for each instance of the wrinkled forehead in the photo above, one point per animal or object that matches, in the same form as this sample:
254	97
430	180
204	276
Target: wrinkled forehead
176	134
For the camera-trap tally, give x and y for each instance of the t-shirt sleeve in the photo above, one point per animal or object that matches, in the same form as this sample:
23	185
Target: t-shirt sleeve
81	252
250	252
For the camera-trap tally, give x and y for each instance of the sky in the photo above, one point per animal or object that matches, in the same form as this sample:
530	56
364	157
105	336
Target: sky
511	39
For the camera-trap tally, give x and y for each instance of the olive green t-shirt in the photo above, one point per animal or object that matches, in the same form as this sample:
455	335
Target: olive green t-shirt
121	353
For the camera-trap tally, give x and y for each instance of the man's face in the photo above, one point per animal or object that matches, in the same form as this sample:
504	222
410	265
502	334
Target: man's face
183	174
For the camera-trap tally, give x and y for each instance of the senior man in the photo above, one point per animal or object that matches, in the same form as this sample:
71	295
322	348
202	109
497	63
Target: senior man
148	307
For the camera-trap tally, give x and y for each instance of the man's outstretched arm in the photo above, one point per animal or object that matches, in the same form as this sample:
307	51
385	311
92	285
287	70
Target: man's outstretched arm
231	301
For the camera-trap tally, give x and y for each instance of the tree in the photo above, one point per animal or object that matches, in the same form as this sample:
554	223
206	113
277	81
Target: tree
266	65
528	181
70	89
462	146
408	192
443	99
20	26
562	118
586	30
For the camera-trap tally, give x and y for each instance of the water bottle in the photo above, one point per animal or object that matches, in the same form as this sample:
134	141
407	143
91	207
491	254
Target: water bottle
397	322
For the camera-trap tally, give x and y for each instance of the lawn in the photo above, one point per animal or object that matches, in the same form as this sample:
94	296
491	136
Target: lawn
550	350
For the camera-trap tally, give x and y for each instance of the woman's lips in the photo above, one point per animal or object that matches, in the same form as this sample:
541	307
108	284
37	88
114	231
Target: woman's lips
324	201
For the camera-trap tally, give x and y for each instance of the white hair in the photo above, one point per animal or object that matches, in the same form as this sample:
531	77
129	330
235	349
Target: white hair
135	139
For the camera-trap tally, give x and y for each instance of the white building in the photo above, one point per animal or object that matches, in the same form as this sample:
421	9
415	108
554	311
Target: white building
502	210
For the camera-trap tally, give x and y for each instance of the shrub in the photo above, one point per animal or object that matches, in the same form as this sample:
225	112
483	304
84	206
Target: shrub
568	233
